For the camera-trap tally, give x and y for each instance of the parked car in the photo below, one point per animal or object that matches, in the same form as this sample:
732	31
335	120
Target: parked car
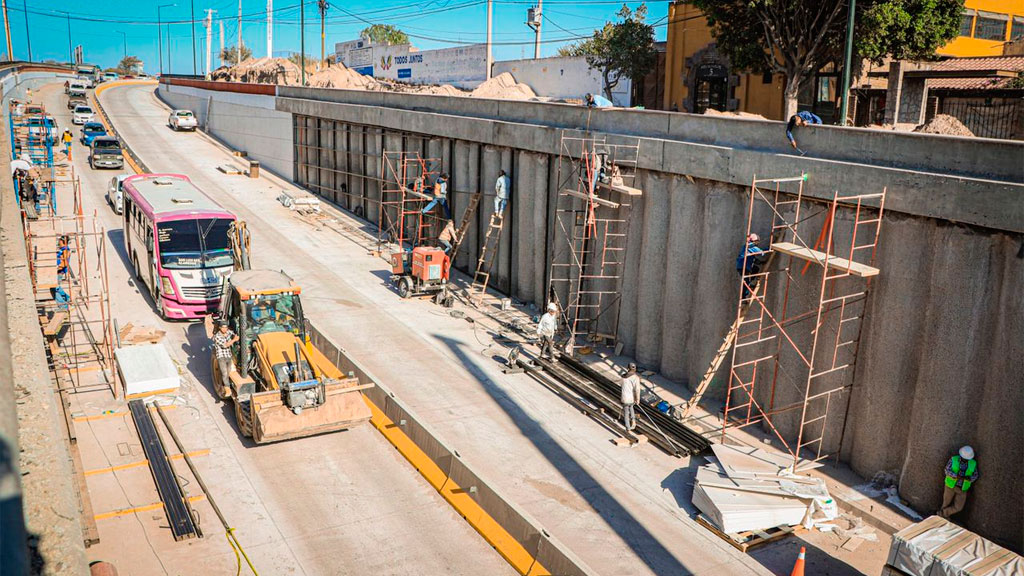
91	131
75	102
82	114
76	88
105	152
182	120
115	192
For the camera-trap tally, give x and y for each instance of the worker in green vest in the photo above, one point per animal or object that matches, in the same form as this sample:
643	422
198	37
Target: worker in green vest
961	473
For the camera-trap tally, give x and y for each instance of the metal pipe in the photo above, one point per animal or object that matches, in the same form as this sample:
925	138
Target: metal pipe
847	63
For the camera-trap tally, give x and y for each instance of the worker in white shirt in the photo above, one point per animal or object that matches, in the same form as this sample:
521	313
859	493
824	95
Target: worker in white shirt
501	194
546	329
630	396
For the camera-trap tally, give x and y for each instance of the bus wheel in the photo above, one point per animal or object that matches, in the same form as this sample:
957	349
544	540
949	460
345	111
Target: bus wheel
138	274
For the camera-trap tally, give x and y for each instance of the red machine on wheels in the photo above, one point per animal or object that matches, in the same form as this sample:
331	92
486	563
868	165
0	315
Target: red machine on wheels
422	270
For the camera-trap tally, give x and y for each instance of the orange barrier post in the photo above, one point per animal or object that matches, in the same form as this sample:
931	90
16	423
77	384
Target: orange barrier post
798	568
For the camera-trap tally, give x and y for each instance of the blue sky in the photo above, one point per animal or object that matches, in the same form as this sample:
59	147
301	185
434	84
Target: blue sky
103	26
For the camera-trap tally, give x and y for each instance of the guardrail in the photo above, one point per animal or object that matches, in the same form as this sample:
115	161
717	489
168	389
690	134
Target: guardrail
528	548
130	156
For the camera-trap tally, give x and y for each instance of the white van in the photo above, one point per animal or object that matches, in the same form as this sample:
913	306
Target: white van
115	193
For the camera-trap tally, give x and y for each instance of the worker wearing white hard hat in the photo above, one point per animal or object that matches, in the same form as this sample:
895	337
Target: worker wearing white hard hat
546	329
961	473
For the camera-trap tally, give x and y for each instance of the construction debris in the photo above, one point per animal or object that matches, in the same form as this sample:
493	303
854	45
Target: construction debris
130	334
343	77
299	201
937	546
945	124
503	87
146	369
260	71
744	489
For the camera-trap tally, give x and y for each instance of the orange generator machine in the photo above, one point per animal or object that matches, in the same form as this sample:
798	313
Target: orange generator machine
422	270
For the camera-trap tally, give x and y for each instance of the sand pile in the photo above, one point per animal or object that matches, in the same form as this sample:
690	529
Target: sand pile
944	124
340	76
713	112
260	71
503	87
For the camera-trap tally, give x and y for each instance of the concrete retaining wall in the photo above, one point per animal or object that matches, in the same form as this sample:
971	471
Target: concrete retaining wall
246	122
563	77
940	355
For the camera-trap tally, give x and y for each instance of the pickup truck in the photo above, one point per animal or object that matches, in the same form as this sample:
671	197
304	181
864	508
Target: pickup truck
75	102
76	88
105	152
182	120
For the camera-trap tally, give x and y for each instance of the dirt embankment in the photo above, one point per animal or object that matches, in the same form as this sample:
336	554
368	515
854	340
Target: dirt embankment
945	124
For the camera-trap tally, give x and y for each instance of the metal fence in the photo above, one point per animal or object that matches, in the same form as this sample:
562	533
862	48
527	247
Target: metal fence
988	116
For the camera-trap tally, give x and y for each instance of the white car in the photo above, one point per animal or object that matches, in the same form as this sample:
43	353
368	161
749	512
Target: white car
82	115
182	120
76	88
115	193
85	81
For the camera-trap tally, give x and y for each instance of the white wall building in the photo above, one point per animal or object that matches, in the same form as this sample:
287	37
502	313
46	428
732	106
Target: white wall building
463	67
563	77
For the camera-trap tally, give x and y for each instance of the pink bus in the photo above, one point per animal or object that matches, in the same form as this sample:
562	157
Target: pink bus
184	268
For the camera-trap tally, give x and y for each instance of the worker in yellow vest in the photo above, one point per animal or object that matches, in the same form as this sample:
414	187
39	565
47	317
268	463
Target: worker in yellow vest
961	472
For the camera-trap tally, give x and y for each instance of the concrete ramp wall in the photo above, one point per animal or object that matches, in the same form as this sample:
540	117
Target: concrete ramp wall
941	359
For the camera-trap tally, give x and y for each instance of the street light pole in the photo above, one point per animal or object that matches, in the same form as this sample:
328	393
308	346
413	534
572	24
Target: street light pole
28	37
71	51
159	39
302	41
124	38
192	20
847	64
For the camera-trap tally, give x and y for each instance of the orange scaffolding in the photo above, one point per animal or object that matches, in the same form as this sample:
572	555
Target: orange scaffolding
790	339
407	188
596	187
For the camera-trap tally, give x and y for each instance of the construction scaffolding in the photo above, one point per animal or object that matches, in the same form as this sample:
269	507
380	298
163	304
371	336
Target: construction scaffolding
800	346
596	183
406	190
33	137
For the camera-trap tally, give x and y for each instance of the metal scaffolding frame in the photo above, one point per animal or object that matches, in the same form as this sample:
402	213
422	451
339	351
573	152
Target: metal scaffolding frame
32	138
776	343
405	191
594	228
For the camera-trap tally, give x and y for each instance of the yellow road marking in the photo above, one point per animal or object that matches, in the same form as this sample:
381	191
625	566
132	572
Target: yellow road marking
141	463
146	508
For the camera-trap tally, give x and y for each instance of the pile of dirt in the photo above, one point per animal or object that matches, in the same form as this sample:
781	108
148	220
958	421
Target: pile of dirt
944	124
713	112
260	71
503	87
341	76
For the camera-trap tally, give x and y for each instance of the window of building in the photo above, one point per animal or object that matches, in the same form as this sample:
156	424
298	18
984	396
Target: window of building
991	26
966	22
767	78
1017	28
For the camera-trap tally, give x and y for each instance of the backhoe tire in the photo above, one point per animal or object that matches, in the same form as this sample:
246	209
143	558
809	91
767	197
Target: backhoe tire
243	416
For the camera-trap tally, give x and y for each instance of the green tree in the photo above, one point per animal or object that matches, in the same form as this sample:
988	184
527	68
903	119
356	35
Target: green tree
384	34
128	65
623	49
797	37
230	54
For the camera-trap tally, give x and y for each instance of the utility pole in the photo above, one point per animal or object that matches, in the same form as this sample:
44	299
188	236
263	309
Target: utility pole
847	64
159	39
238	48
323	5
270	28
71	51
540	20
208	24
28	37
192	21
7	31
302	41
124	39
490	58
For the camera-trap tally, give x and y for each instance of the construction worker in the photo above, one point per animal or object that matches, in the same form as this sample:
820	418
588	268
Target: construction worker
63	255
501	194
440	196
598	101
961	473
750	259
223	338
630	396
67	138
546	329
448	236
801	118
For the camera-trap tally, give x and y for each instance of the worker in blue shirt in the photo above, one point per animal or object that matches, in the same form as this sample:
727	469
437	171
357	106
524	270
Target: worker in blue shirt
593	101
801	118
749	260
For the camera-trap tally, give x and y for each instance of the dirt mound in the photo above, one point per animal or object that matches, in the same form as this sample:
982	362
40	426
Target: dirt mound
340	76
503	87
260	71
944	124
713	112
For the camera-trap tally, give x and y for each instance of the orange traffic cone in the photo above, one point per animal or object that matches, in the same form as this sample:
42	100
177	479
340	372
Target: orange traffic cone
798	568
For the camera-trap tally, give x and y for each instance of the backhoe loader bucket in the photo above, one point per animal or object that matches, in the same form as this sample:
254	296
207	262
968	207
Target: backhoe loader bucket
272	420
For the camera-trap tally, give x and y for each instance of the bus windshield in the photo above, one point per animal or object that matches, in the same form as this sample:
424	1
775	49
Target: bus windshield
190	244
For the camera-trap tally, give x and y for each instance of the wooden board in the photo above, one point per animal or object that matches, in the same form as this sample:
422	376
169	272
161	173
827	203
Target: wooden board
621	189
855	268
744	541
596	200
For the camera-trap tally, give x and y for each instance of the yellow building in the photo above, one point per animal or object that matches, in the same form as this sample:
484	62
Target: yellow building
987	26
698	77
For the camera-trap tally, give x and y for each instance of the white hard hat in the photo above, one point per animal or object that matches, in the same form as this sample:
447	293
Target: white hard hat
552	307
753	238
967	453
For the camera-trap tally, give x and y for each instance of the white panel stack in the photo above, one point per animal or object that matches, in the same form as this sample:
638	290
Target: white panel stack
146	368
746	489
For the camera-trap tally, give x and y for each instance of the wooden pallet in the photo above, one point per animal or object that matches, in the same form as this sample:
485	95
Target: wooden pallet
744	541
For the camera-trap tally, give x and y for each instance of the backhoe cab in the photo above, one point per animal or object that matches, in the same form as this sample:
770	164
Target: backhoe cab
282	386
